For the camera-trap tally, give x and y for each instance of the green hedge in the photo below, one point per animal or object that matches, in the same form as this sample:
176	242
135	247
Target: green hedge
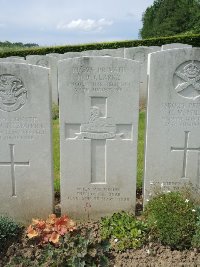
193	40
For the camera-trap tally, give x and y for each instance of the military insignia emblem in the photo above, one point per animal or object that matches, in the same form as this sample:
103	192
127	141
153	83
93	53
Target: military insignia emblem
187	79
13	94
97	127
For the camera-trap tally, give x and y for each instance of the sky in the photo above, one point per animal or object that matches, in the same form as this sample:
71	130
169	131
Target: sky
60	22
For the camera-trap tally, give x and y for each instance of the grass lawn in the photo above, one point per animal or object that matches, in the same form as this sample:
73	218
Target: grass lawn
56	155
56	152
140	152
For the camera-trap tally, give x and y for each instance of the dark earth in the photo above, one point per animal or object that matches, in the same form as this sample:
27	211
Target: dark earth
153	255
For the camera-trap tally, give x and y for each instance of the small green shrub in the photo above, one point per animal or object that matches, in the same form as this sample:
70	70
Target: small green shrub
171	219
75	250
123	230
55	111
196	237
9	231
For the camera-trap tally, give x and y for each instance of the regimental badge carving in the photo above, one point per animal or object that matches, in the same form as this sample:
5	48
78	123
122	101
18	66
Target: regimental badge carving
187	79
97	127
13	94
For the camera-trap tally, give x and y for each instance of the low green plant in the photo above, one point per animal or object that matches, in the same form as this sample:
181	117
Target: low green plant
9	232
55	111
172	219
75	250
80	251
21	261
196	236
123	231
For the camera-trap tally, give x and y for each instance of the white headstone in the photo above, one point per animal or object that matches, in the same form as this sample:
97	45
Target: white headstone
70	55
53	65
105	52
98	130
140	54
155	48
16	57
175	45
173	121
13	60
48	62
53	54
40	60
26	178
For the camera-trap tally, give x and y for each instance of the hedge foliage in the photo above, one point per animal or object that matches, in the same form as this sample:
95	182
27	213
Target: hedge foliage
193	40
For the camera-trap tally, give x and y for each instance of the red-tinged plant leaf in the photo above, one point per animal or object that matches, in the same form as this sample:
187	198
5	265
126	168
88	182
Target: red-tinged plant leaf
51	229
56	228
41	224
71	224
38	223
51	219
47	229
31	233
46	238
54	238
63	230
62	220
35	221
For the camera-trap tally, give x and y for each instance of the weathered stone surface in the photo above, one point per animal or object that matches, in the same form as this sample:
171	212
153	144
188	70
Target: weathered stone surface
53	54
13	59
98	130
16	57
105	52
173	121
70	55
51	63
175	45
26	178
40	60
140	54
155	48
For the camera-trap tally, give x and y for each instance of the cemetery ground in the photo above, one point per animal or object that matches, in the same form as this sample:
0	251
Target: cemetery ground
166	234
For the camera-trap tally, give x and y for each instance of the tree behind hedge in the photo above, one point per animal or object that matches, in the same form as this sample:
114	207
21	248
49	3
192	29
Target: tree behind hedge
171	17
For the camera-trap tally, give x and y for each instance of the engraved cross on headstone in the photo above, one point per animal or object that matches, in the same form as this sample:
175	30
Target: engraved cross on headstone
185	150
98	129
12	163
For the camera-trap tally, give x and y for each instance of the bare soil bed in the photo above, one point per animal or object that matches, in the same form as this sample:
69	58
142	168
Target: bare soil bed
149	256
